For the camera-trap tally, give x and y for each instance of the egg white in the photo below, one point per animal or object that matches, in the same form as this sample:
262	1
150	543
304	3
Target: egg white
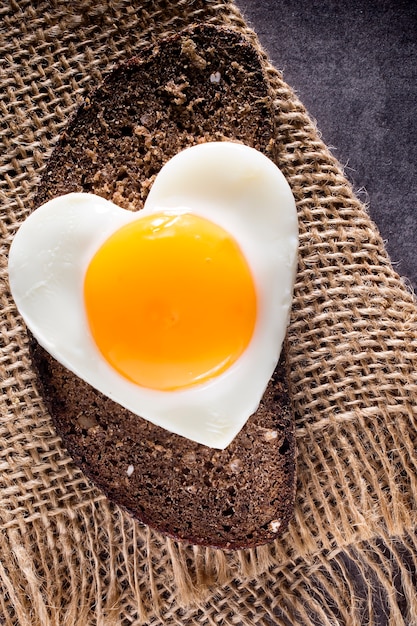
230	184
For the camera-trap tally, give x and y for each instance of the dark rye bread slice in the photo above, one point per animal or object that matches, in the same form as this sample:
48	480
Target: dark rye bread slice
204	84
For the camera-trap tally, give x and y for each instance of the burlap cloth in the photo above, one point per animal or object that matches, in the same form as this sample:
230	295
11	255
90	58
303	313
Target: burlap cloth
67	556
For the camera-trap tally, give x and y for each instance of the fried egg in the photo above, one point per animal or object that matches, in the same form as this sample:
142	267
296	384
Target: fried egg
177	312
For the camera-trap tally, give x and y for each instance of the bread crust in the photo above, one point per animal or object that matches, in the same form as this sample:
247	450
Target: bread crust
204	84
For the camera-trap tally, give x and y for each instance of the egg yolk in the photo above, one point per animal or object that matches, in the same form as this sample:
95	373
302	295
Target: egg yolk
170	300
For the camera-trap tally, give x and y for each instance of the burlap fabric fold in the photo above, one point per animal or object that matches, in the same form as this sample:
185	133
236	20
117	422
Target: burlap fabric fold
68	556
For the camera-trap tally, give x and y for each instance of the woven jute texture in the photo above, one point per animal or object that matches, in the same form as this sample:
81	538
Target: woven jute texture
67	555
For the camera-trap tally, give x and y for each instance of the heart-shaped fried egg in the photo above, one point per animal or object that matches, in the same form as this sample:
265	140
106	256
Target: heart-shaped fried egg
177	312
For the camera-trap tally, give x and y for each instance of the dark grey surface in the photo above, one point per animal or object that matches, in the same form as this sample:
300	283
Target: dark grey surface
353	65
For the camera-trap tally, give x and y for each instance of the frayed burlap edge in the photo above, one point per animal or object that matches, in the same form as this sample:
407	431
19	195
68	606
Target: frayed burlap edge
70	557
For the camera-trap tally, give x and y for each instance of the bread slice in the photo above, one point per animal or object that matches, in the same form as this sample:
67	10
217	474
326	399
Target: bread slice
204	84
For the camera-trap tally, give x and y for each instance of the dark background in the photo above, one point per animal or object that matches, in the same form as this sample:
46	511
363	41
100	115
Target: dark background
353	64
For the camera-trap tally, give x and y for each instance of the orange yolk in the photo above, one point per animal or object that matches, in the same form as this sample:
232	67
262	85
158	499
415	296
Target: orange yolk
170	300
